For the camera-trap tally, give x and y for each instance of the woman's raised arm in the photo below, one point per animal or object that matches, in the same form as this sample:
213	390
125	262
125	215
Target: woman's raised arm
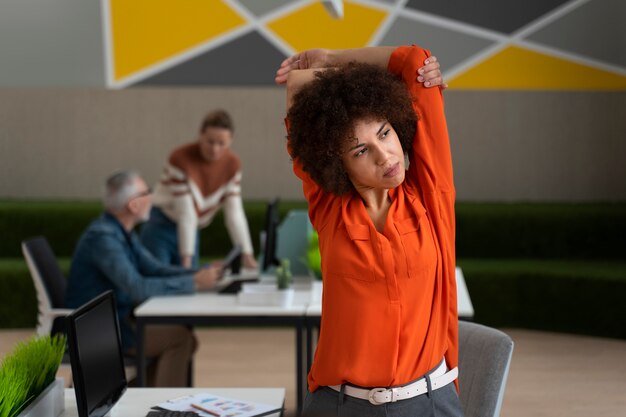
298	69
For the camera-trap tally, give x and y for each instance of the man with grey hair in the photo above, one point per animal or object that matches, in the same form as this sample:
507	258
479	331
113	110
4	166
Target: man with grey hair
120	188
109	256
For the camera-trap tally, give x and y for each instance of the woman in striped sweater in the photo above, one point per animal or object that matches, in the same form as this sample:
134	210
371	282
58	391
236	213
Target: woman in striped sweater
199	178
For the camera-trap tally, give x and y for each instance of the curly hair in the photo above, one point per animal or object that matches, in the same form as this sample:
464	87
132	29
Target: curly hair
324	113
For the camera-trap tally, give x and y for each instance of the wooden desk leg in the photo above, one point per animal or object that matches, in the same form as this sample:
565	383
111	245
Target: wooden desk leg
140	354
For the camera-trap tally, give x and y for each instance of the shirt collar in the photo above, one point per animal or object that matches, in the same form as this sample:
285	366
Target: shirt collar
111	218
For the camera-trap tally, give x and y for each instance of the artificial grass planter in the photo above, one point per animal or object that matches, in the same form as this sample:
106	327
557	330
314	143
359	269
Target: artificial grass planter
27	371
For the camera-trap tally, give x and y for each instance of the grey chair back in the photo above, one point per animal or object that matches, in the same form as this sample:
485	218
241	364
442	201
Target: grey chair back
49	282
484	358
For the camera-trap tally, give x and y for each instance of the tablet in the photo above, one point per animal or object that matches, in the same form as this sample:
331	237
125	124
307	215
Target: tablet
232	260
232	284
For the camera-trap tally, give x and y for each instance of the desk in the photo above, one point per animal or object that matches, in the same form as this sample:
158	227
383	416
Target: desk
215	309
136	402
464	302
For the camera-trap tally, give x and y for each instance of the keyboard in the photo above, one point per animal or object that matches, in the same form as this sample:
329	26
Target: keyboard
170	413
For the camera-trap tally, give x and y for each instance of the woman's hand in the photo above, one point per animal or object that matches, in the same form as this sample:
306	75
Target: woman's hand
430	75
311	58
206	278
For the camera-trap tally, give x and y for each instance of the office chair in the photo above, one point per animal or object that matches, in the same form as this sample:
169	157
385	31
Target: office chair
484	358
49	284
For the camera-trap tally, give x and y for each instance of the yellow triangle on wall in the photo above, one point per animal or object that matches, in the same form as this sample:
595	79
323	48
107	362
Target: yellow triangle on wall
313	27
518	68
145	32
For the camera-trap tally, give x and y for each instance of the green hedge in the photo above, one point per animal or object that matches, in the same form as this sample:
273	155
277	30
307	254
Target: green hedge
584	297
544	231
559	267
214	240
62	223
18	303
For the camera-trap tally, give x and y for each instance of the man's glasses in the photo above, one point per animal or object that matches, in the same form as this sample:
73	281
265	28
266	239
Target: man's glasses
144	193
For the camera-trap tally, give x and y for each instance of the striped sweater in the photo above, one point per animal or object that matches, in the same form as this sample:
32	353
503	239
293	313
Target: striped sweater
192	190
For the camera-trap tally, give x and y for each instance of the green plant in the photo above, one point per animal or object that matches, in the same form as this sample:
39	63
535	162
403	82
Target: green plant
313	258
283	274
27	371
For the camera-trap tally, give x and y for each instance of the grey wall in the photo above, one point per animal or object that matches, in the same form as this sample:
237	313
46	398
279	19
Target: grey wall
51	43
61	132
538	145
507	146
62	143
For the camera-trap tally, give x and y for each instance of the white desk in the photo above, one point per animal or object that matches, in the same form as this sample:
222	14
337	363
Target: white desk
137	402
464	302
215	309
211	304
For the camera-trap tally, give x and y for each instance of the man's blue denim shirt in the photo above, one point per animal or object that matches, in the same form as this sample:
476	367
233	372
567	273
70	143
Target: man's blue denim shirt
109	258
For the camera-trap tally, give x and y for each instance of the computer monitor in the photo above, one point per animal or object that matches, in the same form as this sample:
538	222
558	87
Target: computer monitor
96	355
270	236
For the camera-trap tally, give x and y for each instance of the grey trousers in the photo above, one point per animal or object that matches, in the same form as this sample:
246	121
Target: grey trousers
326	402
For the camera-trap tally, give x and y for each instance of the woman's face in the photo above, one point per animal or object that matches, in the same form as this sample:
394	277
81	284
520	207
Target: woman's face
374	158
214	142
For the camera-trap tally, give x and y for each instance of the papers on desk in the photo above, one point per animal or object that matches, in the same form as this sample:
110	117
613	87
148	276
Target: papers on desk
208	405
265	295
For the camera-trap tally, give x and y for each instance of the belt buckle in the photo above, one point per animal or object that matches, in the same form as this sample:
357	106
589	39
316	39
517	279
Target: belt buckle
373	392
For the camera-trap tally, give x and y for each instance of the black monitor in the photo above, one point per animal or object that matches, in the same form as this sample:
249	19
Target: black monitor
96	355
269	238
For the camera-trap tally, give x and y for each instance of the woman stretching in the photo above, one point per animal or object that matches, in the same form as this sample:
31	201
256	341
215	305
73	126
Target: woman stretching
368	139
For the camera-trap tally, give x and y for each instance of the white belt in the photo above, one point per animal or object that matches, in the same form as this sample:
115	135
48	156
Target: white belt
438	378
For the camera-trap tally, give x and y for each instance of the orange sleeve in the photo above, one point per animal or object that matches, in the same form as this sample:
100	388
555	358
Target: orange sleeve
430	155
430	169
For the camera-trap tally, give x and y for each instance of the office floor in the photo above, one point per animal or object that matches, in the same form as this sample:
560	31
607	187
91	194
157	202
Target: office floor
551	374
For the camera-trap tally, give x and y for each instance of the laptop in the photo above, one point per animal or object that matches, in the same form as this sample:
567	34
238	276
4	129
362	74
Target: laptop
96	356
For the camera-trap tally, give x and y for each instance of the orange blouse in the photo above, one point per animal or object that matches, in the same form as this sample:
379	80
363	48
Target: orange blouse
389	309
